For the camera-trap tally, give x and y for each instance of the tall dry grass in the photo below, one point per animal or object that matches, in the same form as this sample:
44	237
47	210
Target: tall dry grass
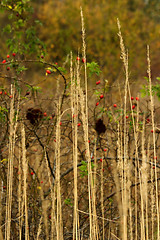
130	211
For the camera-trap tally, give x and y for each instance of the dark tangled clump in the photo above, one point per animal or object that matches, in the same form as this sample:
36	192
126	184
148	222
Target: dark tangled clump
100	127
34	115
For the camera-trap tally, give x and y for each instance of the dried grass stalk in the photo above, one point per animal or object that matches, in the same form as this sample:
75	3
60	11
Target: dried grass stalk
57	180
154	138
25	171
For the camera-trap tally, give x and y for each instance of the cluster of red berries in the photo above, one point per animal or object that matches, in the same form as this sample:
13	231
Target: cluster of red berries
83	59
137	98
133	106
8	56
101	96
5	93
51	117
48	71
4	61
98	82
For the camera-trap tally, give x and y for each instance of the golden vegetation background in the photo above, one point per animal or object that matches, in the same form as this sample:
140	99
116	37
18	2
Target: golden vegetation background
61	32
118	196
140	23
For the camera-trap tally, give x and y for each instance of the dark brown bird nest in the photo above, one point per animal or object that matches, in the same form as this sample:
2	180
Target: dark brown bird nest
34	115
100	127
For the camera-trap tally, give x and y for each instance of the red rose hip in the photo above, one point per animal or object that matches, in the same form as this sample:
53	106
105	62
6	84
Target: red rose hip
48	71
101	96
98	82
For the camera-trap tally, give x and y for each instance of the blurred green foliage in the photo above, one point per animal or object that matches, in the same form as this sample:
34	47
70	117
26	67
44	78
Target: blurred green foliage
19	30
140	24
30	25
